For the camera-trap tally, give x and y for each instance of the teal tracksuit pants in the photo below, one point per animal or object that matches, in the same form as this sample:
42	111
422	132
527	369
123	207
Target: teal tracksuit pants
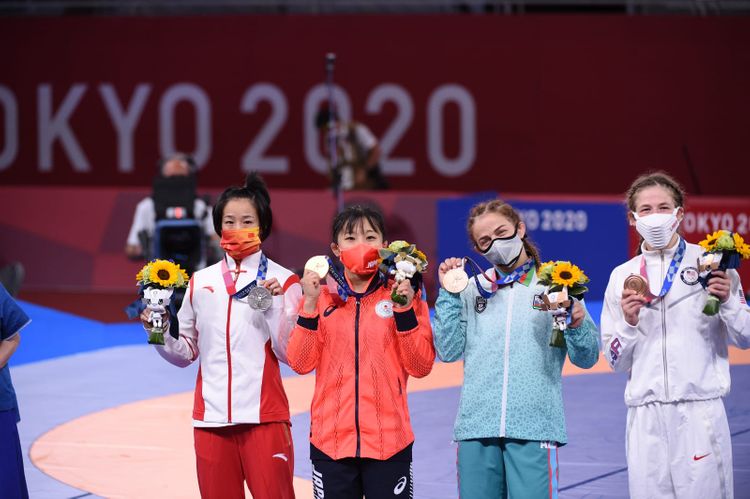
498	468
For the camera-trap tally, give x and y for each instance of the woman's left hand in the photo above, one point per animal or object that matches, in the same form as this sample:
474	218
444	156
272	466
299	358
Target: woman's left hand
273	286
719	285
404	288
576	318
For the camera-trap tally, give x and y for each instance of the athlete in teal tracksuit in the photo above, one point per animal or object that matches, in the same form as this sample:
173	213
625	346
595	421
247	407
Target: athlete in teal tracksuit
510	418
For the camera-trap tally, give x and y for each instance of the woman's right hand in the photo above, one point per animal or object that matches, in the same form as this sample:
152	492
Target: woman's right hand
310	290
449	264
146	318
632	302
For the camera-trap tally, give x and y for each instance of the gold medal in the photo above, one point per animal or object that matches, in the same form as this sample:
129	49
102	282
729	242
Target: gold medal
455	280
319	265
637	283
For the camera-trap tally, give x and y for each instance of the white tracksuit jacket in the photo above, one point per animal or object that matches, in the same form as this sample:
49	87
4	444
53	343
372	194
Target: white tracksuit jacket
239	379
675	352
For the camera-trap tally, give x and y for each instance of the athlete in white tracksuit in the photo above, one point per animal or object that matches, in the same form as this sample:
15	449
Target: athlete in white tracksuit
677	438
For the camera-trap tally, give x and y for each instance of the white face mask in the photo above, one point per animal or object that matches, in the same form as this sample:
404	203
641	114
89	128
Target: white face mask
504	252
657	229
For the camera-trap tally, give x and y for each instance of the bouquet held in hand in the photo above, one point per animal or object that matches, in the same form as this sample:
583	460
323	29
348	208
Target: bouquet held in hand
157	279
402	261
564	281
723	251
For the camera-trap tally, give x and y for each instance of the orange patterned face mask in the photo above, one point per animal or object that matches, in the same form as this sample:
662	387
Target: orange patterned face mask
240	243
361	259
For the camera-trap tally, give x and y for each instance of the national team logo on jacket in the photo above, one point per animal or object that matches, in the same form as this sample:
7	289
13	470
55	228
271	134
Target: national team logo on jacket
384	309
689	276
480	304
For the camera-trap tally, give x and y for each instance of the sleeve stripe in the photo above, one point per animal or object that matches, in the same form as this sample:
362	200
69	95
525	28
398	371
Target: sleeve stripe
292	279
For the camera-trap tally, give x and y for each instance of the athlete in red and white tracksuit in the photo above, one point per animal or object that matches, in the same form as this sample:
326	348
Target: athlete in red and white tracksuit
238	394
678	441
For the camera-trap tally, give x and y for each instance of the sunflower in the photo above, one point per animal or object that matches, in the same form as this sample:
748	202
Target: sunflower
163	273
183	277
709	243
545	270
418	254
744	250
565	274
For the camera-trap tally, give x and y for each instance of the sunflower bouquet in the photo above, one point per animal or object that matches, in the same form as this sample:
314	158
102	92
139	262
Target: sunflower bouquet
564	281
403	261
157	279
723	250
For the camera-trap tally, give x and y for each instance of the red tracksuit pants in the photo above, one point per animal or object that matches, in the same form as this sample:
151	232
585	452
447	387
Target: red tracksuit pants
259	454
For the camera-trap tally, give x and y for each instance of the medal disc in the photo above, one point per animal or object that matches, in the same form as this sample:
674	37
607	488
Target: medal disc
318	264
636	283
260	298
455	280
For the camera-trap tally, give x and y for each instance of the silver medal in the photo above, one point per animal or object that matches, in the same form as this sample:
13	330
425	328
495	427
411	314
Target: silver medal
318	264
260	298
455	280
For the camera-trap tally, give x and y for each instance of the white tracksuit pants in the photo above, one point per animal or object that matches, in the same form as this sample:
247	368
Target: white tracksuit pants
679	450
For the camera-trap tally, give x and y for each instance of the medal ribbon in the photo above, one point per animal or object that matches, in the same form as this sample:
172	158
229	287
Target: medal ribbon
514	276
230	284
671	272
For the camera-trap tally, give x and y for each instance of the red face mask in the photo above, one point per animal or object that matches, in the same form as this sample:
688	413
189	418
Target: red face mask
240	243
361	259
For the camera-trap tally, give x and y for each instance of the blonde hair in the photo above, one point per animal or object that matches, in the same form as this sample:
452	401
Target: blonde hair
504	209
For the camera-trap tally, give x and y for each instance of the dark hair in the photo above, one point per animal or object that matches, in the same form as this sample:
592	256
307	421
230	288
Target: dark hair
178	156
256	191
352	216
502	208
324	116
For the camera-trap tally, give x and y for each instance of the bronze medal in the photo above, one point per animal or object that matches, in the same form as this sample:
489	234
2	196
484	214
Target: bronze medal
455	280
637	283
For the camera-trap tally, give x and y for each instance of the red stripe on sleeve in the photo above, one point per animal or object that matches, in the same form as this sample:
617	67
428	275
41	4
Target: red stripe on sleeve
291	280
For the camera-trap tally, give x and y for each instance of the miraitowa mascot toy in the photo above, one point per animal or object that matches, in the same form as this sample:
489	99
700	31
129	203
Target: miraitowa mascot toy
402	261
158	278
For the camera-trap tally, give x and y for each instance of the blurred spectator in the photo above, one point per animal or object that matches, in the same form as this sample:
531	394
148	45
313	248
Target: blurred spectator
12	477
357	153
173	197
11	276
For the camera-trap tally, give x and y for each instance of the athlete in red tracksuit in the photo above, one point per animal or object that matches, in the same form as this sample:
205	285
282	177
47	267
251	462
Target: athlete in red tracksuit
363	350
241	413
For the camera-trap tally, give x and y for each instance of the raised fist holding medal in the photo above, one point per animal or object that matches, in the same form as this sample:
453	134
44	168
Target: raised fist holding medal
452	276
634	295
316	269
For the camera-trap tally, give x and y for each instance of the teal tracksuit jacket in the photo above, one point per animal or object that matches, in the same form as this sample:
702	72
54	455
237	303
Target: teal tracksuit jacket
512	377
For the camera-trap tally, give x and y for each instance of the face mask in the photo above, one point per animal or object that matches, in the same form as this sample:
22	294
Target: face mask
504	251
657	229
361	259
240	243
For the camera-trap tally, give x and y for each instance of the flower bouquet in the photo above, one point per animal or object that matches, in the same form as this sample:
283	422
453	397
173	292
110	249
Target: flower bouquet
564	281
403	261
723	250
157	279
